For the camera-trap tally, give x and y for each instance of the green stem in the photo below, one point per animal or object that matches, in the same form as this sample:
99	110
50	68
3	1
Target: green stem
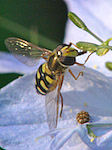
80	24
109	47
100	125
95	36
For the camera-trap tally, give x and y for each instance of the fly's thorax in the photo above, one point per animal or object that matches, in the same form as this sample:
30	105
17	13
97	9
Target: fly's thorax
54	64
66	55
61	58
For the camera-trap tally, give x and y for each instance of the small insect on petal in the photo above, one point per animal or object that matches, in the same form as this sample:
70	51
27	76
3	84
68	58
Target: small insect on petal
83	117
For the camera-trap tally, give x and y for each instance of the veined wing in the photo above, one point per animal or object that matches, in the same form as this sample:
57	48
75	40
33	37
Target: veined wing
51	108
24	51
52	103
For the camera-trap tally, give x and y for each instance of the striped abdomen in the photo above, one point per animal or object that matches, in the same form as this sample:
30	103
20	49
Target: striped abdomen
45	80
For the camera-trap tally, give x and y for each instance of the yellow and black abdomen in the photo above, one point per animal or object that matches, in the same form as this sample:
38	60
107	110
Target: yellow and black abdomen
45	80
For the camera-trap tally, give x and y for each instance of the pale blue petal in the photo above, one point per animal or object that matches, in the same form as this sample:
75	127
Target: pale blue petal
23	137
92	90
102	142
22	115
88	93
21	93
105	141
61	138
23	109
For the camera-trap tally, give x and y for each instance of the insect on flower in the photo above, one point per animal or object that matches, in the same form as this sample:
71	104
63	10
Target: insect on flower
83	117
50	75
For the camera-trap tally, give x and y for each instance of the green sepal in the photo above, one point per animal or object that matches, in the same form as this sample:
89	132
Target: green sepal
103	51
86	46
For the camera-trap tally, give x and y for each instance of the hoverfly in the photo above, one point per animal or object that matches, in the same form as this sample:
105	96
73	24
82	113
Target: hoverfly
50	75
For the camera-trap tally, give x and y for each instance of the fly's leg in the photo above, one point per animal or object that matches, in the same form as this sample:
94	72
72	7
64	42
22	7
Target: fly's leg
87	58
58	95
61	97
80	74
81	53
73	44
84	62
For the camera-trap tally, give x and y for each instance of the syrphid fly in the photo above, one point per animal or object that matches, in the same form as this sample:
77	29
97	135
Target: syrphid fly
50	75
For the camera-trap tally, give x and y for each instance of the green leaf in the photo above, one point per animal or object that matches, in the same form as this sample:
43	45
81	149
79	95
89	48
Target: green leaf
86	46
2	148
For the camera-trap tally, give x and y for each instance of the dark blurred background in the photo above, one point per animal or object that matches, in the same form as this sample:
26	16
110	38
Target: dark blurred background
41	22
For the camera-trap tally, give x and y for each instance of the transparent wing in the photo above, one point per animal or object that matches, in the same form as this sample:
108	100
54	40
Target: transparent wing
51	108
24	51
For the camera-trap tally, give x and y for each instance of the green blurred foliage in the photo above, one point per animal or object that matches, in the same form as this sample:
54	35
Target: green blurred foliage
2	148
40	21
7	78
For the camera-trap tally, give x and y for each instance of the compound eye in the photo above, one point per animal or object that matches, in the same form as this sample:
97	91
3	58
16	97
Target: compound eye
59	53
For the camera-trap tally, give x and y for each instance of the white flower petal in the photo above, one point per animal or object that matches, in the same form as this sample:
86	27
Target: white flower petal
21	115
19	103
105	141
74	135
21	106
92	92
23	137
101	142
61	138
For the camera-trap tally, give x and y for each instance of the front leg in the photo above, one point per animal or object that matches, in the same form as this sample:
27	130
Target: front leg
80	74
